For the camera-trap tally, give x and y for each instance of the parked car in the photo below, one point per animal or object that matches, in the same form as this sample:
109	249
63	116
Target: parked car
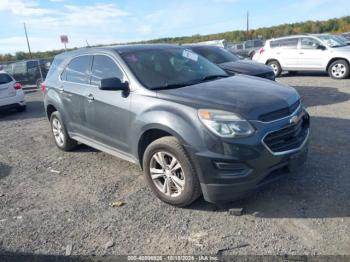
193	129
11	93
324	53
247	48
231	63
28	72
346	35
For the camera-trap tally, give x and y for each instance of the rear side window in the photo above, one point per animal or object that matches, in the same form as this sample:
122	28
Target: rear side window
78	70
104	67
5	78
290	43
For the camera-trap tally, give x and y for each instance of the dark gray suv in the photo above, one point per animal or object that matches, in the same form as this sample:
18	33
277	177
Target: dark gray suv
193	129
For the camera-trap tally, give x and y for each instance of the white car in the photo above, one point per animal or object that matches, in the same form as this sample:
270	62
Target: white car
327	53
11	93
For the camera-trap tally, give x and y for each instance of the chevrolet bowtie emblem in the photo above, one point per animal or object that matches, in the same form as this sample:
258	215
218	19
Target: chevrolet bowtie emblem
295	119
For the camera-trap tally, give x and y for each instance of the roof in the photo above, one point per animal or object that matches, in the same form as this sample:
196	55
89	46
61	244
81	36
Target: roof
119	48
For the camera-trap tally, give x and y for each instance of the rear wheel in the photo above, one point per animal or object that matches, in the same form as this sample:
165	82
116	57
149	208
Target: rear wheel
38	83
276	67
62	139
339	69
170	172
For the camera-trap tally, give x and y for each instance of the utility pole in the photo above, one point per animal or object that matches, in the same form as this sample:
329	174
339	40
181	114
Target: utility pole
25	31
41	79
247	25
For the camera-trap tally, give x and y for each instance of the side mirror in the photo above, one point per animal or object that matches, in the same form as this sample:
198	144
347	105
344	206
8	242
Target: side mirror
113	83
321	47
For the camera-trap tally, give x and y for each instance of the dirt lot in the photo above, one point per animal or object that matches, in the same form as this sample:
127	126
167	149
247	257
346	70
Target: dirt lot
50	199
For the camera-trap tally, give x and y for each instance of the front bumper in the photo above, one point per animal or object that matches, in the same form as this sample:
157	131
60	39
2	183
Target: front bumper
241	167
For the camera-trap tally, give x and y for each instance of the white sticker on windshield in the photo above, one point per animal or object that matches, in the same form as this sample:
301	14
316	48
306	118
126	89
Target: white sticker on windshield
190	55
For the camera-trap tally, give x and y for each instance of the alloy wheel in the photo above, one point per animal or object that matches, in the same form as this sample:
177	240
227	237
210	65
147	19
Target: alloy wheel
338	70
58	132
167	174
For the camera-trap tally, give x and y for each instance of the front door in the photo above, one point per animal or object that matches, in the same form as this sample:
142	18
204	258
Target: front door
311	56
108	113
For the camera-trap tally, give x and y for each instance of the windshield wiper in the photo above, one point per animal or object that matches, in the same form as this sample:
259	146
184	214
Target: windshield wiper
193	82
211	77
169	86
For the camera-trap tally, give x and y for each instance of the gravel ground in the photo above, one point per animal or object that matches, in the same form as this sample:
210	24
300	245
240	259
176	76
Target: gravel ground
53	202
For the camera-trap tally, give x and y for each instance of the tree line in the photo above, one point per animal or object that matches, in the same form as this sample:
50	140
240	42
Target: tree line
336	25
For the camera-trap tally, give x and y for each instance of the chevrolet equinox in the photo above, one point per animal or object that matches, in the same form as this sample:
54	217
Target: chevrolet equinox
193	129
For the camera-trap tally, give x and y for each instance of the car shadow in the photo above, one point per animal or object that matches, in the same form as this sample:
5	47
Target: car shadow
320	189
305	74
319	96
4	170
35	109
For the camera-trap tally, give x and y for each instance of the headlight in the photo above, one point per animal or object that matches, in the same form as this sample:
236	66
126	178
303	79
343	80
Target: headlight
225	124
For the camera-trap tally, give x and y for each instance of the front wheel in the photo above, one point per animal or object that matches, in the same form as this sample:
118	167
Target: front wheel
276	67
170	172
339	69
62	139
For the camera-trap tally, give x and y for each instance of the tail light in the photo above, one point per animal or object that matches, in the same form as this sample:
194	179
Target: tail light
17	86
262	50
43	87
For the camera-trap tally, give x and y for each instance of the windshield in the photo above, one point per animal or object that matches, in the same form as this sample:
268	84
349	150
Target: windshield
332	41
217	55
170	67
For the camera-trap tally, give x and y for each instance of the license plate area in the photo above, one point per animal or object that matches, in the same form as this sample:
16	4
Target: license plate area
297	160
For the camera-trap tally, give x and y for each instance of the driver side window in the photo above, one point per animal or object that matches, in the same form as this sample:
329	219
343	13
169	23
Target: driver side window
104	67
309	43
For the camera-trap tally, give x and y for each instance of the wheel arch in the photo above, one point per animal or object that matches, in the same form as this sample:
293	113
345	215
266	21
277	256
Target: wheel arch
151	134
335	59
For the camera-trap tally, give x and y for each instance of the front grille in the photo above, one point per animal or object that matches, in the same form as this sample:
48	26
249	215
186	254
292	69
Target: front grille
288	138
280	113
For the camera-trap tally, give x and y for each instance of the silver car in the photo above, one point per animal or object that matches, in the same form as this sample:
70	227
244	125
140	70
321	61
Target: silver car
325	52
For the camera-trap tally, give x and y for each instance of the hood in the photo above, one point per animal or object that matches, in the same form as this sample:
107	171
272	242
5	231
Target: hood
247	96
247	67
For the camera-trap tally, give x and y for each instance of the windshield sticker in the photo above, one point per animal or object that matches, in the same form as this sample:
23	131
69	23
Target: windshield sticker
190	55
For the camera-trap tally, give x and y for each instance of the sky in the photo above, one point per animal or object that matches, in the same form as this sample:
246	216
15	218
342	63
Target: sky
118	21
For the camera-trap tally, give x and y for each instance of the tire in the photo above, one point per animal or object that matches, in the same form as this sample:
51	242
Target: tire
251	55
339	69
178	194
59	132
276	67
21	108
38	83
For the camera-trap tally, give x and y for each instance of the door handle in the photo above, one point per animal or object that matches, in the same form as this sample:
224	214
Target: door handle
90	97
61	89
301	53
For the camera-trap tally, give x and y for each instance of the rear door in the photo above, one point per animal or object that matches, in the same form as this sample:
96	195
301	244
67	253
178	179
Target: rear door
7	88
108	114
311	57
73	90
286	52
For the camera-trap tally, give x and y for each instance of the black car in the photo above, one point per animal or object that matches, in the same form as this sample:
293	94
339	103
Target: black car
231	63
192	128
29	72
